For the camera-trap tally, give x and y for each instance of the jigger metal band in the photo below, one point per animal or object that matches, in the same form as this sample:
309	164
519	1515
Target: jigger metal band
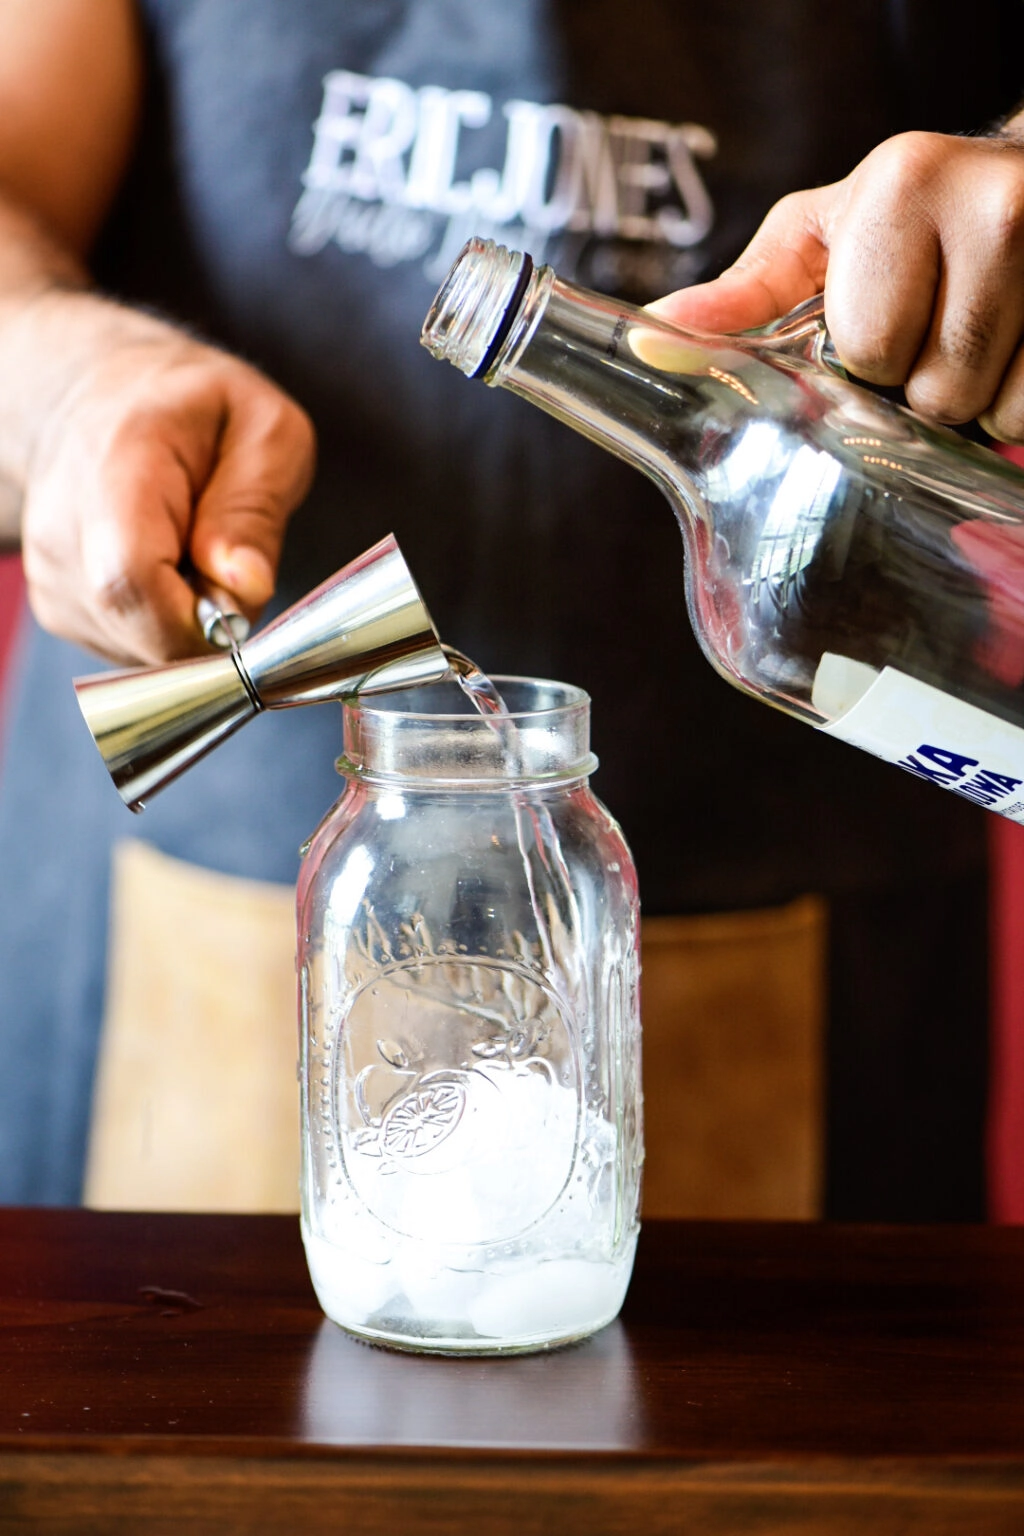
226	631
246	680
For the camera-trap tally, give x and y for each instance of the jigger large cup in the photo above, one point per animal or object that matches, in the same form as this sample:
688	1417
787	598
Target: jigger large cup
365	630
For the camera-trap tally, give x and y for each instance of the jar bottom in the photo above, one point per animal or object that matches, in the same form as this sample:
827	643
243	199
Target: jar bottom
536	1306
454	1349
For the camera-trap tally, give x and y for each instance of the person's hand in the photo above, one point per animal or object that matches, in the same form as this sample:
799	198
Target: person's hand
156	449
920	253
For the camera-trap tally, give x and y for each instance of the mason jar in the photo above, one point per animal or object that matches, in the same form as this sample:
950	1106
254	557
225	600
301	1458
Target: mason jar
468	964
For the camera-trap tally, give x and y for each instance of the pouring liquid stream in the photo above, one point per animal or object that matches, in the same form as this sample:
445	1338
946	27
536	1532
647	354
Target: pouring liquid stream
552	901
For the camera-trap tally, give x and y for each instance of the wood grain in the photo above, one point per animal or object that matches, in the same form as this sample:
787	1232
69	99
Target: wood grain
163	1373
77	1495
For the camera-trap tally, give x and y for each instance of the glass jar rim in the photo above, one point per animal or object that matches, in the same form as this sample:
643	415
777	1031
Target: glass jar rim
459	747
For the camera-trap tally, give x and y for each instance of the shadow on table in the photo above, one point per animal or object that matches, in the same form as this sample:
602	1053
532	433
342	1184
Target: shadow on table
582	1397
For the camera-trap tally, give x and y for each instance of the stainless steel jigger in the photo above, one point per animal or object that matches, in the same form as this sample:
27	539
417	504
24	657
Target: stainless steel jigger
365	630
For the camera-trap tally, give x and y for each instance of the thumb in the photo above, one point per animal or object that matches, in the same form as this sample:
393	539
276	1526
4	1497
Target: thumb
241	562
782	266
263	469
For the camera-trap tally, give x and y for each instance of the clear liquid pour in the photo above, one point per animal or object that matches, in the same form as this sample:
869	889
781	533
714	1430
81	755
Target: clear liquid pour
539	847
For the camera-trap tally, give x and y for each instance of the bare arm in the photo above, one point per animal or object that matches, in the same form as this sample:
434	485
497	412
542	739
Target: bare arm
31	263
69	86
124	444
920	252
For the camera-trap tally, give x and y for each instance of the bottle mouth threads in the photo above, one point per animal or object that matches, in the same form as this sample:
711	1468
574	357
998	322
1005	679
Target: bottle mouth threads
476	306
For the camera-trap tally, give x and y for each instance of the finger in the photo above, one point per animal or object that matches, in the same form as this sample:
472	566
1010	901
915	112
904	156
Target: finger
113	615
885	260
782	266
263	470
134	517
215	608
978	319
141	605
973	335
1004	418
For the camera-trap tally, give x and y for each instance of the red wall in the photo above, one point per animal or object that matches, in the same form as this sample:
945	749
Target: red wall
11	599
1006	1076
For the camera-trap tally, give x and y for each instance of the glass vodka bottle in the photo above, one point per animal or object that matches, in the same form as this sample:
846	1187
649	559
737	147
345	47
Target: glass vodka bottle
846	561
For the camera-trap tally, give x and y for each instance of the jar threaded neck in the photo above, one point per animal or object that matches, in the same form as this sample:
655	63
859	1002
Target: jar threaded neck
427	737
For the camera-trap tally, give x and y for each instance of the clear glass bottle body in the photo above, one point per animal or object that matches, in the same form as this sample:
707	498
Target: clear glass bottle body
470	1033
832	538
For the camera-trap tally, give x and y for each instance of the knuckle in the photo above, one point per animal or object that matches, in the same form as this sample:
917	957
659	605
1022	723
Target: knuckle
899	187
940	398
256	501
293	429
907	160
305	452
1004	420
118	595
785	221
966	339
1002	208
273	412
868	348
291	440
137	430
305	431
293	424
793	207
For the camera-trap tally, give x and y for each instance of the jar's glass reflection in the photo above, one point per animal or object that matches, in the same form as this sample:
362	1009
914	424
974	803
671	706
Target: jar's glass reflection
584	1397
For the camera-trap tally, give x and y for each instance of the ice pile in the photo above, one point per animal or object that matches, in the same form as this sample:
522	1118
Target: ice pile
469	1157
510	1242
528	1301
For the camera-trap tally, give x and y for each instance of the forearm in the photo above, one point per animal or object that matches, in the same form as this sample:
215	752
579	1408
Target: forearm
52	325
33	265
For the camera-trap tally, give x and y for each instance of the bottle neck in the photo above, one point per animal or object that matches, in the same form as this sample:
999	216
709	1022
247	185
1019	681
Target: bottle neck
580	357
647	391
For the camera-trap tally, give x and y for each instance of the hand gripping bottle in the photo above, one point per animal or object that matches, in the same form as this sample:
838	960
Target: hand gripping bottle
846	561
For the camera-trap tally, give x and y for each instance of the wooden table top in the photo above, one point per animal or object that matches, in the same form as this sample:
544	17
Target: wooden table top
170	1373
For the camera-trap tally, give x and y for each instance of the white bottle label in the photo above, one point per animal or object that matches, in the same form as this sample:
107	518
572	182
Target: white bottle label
938	738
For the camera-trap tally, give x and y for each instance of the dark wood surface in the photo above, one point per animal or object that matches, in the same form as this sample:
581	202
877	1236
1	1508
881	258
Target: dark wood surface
173	1373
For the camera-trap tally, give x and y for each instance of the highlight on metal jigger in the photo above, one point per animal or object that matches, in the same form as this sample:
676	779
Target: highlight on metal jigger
365	630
